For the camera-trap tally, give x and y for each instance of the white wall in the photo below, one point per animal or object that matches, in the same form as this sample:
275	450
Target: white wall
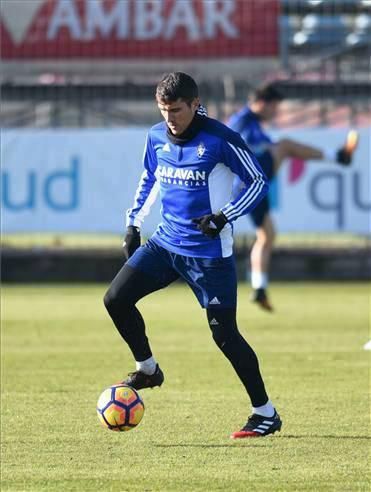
84	180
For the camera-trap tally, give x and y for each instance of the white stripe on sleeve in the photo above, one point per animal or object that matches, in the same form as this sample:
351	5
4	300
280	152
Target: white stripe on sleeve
145	207
233	211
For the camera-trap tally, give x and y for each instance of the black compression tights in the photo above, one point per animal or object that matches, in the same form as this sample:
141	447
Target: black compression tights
126	289
242	357
130	285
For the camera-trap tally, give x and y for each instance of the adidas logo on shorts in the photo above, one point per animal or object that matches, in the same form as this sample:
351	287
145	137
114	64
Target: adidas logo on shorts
214	301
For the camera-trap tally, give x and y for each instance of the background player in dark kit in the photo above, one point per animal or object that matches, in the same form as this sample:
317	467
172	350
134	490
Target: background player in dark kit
248	122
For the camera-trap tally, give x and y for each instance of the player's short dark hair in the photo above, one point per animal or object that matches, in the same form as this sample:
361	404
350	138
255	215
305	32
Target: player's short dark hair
176	85
268	93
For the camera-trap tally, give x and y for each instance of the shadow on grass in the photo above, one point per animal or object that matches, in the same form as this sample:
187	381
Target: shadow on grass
324	436
206	445
260	445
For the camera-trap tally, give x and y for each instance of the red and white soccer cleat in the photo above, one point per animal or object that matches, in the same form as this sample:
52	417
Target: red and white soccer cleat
259	426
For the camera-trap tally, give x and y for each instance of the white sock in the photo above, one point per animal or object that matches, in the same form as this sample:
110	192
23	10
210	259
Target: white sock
329	155
266	410
259	280
147	366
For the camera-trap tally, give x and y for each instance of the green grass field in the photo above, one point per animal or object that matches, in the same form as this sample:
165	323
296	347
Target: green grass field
59	351
49	240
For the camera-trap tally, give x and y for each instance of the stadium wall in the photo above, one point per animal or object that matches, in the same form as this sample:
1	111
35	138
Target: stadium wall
98	265
84	180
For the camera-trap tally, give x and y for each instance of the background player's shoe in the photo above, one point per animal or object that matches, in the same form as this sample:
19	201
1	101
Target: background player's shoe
260	297
344	155
138	380
259	426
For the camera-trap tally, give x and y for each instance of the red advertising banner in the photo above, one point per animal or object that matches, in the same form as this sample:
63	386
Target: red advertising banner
73	29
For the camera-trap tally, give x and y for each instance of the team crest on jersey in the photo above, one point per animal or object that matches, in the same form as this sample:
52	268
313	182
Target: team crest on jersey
201	149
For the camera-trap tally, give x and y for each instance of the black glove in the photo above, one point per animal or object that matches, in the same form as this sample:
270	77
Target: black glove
211	224
343	157
131	241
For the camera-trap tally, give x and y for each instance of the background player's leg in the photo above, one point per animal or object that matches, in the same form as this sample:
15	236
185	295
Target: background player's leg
260	256
287	148
261	251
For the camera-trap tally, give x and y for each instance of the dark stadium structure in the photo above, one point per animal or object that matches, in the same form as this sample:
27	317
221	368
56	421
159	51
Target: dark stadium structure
323	59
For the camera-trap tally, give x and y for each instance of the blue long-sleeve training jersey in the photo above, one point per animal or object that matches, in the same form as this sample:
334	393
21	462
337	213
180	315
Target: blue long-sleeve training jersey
247	124
196	178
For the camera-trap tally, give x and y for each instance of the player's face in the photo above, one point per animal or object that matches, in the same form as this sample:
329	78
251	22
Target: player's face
178	114
269	110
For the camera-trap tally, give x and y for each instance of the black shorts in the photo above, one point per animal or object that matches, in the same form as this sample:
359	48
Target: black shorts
258	214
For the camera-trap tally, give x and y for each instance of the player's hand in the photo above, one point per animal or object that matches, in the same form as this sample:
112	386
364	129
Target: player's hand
211	224
131	241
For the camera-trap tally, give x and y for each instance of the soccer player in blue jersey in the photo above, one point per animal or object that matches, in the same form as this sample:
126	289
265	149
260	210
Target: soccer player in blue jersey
193	161
248	122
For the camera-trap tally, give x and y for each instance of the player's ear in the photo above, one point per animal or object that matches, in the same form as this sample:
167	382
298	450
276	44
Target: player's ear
195	104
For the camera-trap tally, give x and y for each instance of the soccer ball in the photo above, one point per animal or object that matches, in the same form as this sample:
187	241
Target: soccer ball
120	408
